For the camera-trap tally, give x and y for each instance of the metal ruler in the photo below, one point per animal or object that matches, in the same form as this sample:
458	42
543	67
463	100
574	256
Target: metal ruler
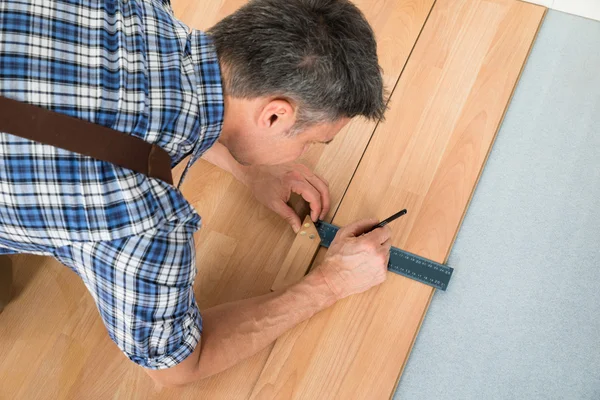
401	262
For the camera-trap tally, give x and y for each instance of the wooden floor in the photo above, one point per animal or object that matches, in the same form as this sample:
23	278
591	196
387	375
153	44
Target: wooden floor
444	112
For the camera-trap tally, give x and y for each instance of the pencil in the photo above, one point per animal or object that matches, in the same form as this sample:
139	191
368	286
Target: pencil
388	220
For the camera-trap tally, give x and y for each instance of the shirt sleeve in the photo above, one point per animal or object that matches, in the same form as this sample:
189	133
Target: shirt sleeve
143	288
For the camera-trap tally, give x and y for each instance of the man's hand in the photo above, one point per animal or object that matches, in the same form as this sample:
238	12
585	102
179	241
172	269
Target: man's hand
355	263
273	185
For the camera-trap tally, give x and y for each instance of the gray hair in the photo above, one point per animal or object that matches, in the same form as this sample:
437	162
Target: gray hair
321	55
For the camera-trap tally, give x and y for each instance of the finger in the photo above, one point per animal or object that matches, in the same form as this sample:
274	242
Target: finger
386	244
387	258
288	214
386	247
357	228
323	189
379	235
311	195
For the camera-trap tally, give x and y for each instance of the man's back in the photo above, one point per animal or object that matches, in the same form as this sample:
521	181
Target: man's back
130	66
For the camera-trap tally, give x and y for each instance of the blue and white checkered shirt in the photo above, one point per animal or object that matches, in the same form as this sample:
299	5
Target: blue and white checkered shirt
131	66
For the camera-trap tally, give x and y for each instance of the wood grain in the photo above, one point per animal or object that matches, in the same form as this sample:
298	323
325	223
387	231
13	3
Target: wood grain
427	157
51	330
299	257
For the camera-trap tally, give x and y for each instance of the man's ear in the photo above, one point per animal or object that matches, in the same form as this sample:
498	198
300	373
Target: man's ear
277	113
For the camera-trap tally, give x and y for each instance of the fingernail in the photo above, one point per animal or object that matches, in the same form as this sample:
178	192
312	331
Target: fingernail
296	228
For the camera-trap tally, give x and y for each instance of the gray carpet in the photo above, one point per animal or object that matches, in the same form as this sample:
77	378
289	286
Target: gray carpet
521	318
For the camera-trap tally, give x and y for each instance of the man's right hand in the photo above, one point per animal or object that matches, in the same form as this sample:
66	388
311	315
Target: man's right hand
356	262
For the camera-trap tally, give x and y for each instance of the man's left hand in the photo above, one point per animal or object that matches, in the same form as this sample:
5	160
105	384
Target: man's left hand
273	185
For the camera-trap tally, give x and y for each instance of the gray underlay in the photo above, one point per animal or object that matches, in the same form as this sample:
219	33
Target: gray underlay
521	317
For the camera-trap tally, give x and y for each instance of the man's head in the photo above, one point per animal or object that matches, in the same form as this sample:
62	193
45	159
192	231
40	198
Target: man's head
294	72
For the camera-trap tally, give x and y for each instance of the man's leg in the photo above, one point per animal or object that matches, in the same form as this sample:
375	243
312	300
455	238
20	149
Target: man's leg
5	280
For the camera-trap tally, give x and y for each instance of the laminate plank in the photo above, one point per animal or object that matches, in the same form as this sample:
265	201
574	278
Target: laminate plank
240	249
426	157
299	256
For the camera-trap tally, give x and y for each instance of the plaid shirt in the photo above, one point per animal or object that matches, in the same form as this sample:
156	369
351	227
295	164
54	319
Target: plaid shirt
131	66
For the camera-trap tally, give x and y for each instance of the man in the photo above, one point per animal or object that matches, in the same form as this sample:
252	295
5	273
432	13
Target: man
250	96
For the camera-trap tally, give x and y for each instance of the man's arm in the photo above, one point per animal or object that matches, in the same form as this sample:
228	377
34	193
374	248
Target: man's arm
234	331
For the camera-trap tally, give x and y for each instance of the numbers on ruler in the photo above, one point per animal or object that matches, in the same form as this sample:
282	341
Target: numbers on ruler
420	276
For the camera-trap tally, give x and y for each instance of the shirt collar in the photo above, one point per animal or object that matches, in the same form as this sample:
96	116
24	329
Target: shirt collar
210	96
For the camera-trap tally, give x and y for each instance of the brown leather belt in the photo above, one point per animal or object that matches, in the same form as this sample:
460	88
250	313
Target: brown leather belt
83	137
